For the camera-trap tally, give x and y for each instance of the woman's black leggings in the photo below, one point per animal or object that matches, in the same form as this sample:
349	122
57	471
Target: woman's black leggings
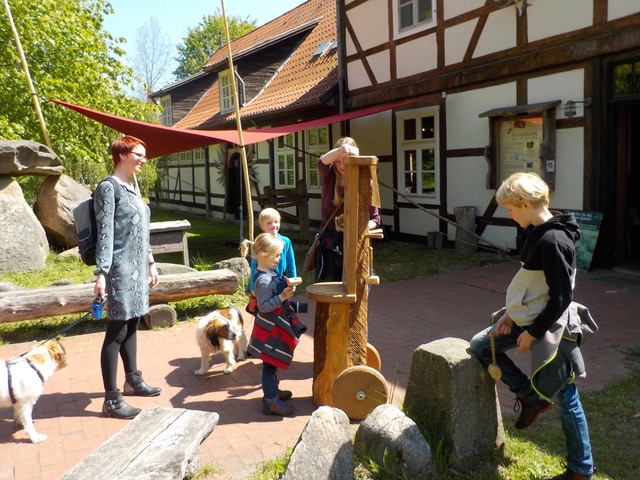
119	338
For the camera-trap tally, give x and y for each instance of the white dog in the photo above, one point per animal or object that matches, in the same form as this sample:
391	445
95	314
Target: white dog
22	382
221	331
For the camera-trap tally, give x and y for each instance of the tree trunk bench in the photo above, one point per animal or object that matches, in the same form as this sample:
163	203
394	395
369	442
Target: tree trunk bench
159	444
29	304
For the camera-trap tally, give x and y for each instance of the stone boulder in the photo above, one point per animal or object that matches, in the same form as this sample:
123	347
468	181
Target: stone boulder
22	157
392	439
238	265
450	391
57	198
23	241
324	450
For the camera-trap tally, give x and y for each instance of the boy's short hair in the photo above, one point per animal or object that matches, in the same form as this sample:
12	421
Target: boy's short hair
523	186
268	212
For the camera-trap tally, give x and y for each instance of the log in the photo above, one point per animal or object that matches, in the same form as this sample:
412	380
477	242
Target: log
53	301
159	444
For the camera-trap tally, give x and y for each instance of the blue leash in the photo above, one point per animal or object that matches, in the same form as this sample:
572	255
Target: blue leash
97	307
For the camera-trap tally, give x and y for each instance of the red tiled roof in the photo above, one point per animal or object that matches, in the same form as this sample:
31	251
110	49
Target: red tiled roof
302	80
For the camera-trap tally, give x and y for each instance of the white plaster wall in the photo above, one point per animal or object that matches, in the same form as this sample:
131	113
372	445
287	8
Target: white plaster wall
569	191
370	23
418	56
548	18
499	33
357	76
464	128
456	41
622	8
503	237
373	134
458	7
561	86
379	63
467	183
418	222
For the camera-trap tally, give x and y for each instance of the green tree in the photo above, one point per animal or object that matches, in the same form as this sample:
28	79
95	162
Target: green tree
204	40
72	58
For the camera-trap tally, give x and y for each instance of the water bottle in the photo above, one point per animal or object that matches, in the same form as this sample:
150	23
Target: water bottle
97	307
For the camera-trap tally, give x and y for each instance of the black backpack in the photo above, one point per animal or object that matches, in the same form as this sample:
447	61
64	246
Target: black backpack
84	218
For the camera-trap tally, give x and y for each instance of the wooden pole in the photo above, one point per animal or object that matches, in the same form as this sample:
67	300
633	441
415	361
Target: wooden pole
243	151
25	67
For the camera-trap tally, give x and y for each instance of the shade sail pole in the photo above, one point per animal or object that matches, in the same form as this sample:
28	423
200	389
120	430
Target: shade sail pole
243	151
25	67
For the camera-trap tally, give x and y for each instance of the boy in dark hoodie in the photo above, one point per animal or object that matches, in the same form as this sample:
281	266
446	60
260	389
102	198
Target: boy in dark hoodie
537	302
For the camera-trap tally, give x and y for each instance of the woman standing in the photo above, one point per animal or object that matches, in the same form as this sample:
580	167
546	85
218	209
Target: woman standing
125	270
332	171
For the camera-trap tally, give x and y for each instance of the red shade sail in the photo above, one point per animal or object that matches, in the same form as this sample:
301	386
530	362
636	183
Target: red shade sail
162	140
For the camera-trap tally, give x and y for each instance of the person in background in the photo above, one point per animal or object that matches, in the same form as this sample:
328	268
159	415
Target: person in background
125	270
269	220
332	172
539	312
276	329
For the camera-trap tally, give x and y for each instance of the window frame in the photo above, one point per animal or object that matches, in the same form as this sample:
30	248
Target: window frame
167	111
226	91
417	26
404	145
313	153
289	155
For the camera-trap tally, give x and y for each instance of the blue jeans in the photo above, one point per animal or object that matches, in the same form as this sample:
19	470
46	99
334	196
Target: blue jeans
567	400
269	382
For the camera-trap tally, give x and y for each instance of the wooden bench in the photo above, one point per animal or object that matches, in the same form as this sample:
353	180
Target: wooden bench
167	237
159	444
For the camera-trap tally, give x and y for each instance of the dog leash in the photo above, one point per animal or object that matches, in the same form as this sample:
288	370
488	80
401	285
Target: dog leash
97	308
95	312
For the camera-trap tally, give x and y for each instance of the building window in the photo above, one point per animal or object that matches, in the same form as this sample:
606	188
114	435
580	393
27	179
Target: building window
626	80
285	162
317	144
413	14
418	153
167	117
226	92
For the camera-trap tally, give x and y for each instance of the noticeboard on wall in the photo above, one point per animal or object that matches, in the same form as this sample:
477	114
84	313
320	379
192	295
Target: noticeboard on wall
522	139
519	146
590	223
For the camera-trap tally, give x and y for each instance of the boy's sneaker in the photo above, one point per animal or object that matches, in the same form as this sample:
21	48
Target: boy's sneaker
530	407
277	408
569	475
284	395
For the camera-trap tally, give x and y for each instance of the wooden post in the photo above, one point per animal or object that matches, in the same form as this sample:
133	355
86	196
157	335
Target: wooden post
466	240
340	337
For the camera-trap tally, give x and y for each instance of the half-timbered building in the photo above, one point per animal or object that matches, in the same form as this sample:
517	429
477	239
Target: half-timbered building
469	92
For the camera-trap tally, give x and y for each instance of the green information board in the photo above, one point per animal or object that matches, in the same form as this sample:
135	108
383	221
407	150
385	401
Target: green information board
589	229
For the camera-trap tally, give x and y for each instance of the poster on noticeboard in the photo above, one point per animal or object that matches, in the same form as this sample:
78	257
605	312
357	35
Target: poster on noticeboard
589	230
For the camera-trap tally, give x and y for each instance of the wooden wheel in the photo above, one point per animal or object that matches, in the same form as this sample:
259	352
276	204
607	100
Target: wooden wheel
359	390
373	358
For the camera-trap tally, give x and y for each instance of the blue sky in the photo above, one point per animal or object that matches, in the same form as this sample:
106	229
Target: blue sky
176	17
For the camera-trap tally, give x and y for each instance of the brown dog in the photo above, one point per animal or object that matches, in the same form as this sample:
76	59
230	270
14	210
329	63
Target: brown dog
22	382
221	331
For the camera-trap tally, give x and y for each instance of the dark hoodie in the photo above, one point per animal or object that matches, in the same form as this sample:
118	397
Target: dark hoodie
543	289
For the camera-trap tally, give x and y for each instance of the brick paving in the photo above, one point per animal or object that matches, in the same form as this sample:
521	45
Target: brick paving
402	316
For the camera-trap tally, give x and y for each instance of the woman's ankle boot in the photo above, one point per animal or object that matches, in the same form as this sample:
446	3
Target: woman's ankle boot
135	385
115	406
